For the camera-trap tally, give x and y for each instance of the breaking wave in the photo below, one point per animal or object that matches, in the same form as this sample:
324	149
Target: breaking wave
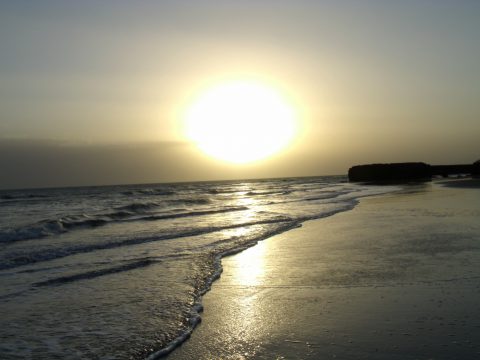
52	227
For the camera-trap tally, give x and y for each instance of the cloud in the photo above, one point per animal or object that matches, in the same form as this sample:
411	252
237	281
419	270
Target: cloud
42	163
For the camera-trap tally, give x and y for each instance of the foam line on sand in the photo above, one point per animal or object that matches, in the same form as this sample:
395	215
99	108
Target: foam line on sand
395	278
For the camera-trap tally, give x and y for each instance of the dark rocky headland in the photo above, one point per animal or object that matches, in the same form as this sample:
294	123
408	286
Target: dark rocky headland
409	171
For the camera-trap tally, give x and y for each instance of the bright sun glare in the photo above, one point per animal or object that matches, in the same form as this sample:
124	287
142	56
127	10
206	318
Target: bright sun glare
241	121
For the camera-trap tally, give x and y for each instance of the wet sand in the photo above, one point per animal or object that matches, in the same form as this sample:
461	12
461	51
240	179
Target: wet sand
395	278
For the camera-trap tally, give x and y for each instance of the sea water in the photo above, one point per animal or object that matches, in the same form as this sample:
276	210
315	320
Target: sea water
117	272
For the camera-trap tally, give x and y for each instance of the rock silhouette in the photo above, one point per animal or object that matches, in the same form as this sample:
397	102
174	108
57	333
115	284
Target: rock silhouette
408	171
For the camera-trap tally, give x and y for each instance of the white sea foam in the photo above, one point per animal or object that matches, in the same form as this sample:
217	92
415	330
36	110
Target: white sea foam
119	272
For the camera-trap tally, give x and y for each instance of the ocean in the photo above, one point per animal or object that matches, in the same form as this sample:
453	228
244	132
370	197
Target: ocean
117	272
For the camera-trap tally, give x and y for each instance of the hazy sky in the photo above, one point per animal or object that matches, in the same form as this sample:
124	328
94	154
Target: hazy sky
91	91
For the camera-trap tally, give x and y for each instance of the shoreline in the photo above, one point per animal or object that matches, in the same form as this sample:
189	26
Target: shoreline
221	316
198	308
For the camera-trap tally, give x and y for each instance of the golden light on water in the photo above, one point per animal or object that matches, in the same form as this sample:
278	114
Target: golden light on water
241	121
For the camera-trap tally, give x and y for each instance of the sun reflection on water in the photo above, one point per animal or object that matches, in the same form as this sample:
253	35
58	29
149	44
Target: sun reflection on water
248	274
249	264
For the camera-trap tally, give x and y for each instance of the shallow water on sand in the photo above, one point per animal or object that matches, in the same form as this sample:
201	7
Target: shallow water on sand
395	278
117	272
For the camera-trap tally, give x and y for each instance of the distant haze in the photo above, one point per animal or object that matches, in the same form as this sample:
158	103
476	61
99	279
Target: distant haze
91	92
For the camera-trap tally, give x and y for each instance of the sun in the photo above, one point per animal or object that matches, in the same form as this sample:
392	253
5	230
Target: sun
241	121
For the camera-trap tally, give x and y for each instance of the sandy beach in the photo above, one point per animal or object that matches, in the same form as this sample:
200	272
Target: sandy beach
395	278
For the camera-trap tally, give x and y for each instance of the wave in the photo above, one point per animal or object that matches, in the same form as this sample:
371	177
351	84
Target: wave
46	228
263	193
157	192
139	206
326	195
59	226
96	273
215	191
16	260
195	213
23	196
199	201
61	280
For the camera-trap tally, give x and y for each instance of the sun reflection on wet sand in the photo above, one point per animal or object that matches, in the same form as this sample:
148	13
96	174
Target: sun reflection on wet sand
339	287
248	274
250	265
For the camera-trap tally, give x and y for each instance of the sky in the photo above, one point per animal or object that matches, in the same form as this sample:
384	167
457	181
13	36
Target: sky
92	92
